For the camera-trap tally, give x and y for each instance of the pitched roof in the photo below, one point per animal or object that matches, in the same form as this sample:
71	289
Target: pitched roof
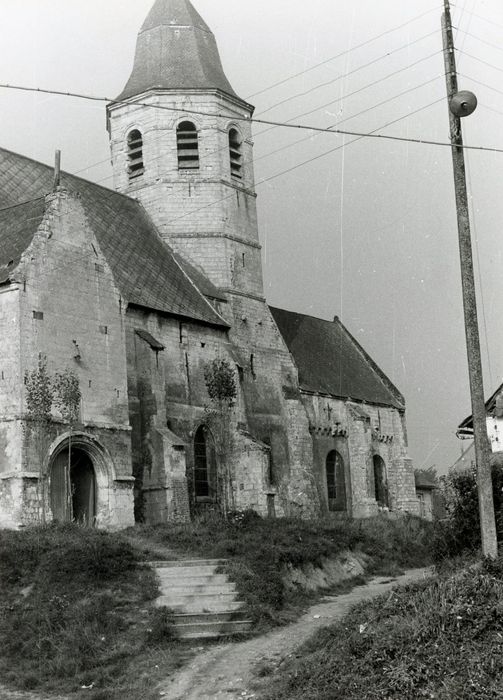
494	407
330	361
175	50
143	266
424	481
17	226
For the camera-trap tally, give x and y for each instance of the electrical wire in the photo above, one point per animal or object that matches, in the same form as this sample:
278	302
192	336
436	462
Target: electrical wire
482	41
287	125
343	53
308	138
79	258
310	160
351	94
480	60
344	76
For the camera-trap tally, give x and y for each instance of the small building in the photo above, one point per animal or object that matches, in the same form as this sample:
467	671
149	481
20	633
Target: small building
425	492
494	422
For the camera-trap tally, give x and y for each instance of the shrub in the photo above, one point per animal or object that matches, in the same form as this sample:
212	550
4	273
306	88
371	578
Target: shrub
459	532
75	610
258	550
439	638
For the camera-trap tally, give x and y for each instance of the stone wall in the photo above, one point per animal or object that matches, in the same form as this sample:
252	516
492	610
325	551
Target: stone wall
359	432
205	214
167	390
67	312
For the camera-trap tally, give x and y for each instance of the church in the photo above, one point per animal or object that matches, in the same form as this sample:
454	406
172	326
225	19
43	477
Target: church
116	306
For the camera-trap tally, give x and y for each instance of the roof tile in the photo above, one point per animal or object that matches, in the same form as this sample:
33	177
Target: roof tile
330	361
143	265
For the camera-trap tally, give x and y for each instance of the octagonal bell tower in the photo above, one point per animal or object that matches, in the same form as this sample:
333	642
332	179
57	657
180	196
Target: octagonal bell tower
181	144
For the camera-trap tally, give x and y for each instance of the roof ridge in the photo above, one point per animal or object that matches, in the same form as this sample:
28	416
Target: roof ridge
300	313
388	384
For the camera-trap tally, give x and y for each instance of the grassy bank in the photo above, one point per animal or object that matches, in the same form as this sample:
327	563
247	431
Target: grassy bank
439	639
76	615
258	550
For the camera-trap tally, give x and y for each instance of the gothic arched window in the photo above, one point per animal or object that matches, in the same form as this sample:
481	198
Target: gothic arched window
336	490
187	145
135	154
235	153
380	481
205	487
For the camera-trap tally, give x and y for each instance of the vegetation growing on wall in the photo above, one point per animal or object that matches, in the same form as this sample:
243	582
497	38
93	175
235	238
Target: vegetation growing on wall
43	393
220	382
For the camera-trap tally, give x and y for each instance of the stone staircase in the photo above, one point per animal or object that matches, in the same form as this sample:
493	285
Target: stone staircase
203	601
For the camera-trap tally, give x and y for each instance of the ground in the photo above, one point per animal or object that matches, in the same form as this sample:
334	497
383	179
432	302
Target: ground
232	671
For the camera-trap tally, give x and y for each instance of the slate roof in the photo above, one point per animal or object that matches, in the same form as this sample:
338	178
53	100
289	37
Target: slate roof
330	361
17	226
144	267
175	50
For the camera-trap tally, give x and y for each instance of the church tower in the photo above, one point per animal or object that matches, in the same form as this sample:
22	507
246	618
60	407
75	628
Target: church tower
181	144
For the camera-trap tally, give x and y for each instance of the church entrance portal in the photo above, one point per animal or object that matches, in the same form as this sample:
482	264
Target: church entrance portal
73	487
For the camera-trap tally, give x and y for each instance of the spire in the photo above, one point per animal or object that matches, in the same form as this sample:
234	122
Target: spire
175	50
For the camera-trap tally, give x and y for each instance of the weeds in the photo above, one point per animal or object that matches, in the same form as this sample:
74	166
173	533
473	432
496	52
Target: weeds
258	550
441	638
76	613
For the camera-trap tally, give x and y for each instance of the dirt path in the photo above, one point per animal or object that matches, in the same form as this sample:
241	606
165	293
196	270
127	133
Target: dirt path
228	671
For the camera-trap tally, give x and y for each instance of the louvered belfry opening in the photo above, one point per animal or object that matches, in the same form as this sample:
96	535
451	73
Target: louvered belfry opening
187	145
135	154
235	153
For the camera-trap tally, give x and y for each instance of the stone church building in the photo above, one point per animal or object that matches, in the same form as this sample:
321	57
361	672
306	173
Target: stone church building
136	291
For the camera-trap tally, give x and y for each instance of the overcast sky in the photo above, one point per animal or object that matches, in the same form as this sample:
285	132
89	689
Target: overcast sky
366	232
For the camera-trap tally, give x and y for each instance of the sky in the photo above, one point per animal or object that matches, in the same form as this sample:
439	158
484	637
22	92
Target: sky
364	230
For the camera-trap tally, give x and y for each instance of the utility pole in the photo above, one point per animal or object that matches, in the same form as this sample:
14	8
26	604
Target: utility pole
462	104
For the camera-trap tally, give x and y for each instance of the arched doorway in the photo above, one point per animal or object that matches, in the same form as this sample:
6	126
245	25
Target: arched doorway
205	482
336	485
73	487
380	482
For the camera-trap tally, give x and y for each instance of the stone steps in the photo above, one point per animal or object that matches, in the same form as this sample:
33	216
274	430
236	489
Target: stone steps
204	601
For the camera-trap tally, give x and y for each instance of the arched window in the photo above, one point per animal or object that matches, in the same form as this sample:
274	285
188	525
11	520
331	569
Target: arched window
380	481
204	466
187	146
235	153
135	154
336	490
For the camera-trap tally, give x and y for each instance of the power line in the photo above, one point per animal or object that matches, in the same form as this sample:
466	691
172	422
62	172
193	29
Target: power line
287	125
346	75
480	60
484	19
84	256
474	80
294	143
482	41
351	94
343	53
365	87
310	160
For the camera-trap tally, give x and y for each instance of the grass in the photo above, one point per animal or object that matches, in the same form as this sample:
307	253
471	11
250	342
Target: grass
257	551
441	638
76	615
